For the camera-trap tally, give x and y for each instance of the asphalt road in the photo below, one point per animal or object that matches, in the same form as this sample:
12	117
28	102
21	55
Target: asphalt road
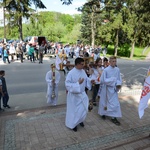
27	87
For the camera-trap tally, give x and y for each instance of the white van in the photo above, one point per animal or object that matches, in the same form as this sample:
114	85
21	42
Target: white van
35	40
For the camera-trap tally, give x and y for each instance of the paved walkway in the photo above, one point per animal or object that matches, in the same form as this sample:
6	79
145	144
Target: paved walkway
44	129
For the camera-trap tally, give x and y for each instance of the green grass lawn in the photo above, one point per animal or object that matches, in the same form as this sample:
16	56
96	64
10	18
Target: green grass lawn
125	52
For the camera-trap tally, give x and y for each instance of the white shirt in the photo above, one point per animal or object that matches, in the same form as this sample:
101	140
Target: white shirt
12	50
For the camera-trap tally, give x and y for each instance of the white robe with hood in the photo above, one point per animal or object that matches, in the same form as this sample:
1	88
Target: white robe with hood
48	79
110	78
77	99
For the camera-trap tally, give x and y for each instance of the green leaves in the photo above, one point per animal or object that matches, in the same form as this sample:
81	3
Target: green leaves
55	26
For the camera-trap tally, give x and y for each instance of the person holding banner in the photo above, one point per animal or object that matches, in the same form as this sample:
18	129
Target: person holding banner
111	83
145	96
77	99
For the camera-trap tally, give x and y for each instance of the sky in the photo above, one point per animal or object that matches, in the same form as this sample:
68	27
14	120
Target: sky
56	5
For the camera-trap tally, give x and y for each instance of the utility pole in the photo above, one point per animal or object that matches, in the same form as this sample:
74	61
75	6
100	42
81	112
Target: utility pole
4	8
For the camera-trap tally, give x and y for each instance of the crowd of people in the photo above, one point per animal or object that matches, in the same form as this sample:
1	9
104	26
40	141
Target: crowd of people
102	78
10	52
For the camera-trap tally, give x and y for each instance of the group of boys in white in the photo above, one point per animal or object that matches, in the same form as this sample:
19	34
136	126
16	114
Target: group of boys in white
77	99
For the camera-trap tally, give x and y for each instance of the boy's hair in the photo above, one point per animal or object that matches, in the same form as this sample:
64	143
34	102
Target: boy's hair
52	65
2	72
78	60
112	57
97	60
105	59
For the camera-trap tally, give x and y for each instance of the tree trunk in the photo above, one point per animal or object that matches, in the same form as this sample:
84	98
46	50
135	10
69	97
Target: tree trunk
132	50
116	43
92	30
145	49
4	23
20	28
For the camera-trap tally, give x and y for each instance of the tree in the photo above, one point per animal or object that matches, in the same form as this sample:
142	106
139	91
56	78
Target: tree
90	11
66	2
74	35
136	24
18	9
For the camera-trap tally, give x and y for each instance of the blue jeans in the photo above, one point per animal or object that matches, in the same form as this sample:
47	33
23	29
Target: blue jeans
3	57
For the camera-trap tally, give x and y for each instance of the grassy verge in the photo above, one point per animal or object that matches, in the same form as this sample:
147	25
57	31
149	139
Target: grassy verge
122	53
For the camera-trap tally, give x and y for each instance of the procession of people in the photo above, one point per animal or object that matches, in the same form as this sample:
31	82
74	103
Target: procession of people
98	75
90	72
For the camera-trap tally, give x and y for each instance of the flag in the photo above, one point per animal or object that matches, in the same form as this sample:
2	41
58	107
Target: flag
145	96
57	62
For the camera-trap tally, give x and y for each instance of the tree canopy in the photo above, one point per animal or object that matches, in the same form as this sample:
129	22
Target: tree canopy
123	24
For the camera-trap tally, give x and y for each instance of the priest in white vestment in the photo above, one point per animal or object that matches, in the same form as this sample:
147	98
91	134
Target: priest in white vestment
77	99
52	78
111	81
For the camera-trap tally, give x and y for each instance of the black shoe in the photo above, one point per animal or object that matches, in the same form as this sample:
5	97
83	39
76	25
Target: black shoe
75	129
7	106
103	117
82	124
115	121
94	103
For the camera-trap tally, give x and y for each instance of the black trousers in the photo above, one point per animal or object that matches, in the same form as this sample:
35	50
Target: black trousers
41	58
95	89
5	99
21	57
0	99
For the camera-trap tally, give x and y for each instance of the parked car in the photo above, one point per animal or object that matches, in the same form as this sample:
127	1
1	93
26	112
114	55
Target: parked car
10	41
1	40
27	39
